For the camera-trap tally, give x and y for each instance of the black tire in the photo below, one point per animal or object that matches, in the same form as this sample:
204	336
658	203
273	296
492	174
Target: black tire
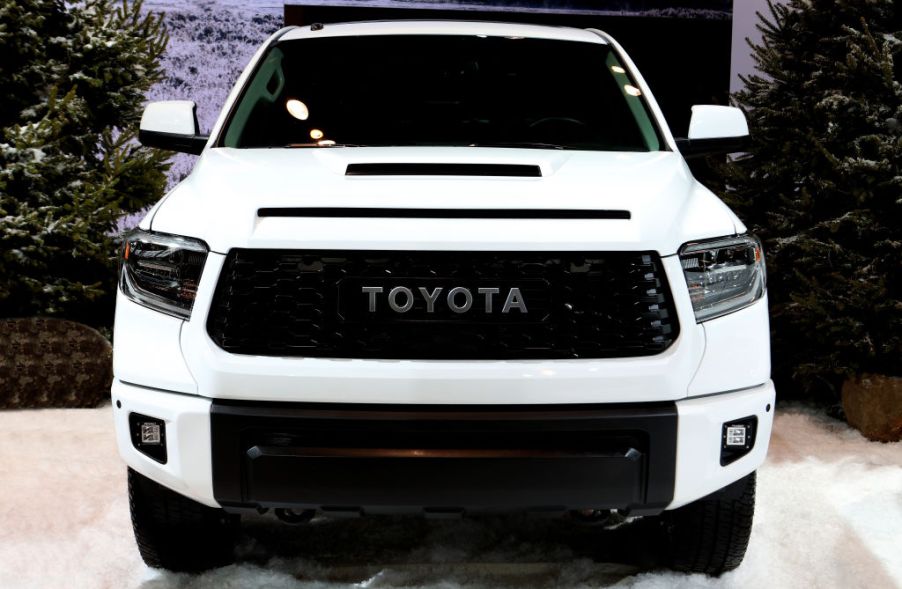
711	535
176	533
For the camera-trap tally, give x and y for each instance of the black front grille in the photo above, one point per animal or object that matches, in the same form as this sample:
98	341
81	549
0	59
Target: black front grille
313	303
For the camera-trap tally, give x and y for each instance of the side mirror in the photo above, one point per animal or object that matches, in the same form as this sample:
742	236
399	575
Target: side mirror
714	130
172	125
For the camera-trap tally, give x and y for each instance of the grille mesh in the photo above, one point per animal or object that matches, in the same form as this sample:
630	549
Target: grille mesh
310	303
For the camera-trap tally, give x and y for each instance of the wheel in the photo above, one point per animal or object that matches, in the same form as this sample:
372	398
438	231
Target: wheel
711	535
176	533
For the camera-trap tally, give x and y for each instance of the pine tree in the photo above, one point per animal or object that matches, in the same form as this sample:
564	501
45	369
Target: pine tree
822	185
73	77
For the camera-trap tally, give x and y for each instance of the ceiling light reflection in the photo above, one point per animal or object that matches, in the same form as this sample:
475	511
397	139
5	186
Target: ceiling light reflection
297	109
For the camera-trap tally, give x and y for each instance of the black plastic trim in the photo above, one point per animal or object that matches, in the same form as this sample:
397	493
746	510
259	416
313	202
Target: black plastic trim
514	170
384	213
405	458
193	144
697	148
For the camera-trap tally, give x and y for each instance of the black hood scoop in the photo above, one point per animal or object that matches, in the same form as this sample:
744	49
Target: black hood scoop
509	170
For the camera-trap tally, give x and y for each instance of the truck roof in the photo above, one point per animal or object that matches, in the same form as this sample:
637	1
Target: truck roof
444	27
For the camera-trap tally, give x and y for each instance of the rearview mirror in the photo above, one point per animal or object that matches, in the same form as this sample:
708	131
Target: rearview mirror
172	125
714	130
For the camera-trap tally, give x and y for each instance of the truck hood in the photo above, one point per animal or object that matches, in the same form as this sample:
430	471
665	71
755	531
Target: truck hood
219	202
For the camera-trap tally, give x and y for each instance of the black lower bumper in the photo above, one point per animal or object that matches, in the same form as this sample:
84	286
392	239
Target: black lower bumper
375	458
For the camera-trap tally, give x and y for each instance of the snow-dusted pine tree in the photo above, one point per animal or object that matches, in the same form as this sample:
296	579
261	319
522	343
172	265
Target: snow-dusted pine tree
822	185
73	77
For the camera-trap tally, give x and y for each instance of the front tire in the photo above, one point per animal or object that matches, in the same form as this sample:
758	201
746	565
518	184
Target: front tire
176	533
711	535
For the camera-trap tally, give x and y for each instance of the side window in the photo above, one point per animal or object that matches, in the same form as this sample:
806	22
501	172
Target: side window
258	103
634	101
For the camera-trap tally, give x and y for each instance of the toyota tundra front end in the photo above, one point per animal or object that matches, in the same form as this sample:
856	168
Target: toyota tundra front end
441	268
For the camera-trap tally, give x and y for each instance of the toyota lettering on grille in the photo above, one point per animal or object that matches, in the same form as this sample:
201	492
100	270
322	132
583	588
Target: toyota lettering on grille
401	299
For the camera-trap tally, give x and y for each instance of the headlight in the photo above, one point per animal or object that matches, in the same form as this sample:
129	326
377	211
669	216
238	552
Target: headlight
162	271
723	275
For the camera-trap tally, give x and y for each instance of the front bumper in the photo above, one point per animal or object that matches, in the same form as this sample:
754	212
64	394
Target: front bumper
643	457
449	458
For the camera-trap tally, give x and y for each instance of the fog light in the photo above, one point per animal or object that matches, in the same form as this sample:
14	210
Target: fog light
148	436
736	435
737	439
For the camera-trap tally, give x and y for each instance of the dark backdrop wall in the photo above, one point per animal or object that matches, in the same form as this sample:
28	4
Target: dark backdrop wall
682	47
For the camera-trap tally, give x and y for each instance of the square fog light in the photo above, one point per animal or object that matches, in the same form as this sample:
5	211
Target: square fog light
737	439
148	436
736	435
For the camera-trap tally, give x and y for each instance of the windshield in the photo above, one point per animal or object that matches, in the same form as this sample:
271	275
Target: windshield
441	90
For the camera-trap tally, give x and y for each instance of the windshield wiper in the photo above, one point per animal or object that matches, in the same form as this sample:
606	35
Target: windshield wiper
321	145
523	144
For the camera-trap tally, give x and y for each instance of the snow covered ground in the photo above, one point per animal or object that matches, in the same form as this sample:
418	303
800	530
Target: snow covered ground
829	515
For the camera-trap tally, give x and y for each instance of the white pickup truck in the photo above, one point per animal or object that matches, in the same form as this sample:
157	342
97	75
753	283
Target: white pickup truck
441	268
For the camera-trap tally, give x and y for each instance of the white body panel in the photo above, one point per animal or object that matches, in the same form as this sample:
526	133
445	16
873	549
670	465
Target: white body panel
218	202
435	27
170	116
147	350
710	121
188	469
699	472
714	372
736	354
